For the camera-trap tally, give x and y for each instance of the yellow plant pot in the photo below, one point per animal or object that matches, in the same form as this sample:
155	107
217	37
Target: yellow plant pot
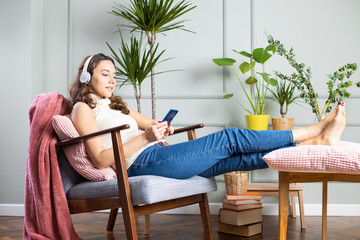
257	122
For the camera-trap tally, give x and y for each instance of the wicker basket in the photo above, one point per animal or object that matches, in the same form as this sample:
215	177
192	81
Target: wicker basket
236	183
282	123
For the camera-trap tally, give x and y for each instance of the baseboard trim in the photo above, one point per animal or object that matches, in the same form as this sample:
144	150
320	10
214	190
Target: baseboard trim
270	209
12	210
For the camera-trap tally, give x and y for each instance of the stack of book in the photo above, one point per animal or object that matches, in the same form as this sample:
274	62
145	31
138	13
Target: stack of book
241	214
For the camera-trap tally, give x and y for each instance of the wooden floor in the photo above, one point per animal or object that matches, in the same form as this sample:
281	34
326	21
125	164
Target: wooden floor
171	227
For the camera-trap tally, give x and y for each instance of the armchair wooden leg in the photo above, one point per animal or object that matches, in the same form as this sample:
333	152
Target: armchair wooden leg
130	224
112	219
205	215
147	224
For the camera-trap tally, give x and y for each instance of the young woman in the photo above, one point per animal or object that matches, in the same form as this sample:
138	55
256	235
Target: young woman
232	149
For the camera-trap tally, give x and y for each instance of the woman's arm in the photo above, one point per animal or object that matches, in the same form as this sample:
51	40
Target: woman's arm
142	120
84	121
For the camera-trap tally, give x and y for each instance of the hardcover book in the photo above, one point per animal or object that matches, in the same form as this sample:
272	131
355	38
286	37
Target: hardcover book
242	217
249	195
241	206
243	201
245	230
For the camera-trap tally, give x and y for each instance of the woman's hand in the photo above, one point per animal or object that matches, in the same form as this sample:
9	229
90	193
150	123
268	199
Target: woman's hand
157	131
169	131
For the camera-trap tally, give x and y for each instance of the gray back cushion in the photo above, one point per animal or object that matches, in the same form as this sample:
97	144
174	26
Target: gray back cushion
69	176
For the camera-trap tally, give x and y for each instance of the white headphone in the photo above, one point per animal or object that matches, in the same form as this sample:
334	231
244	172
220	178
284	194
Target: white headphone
85	76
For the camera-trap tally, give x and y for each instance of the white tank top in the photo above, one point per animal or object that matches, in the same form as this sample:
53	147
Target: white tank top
108	118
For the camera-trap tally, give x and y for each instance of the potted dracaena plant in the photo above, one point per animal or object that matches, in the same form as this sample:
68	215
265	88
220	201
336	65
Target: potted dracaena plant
153	17
135	63
258	82
284	94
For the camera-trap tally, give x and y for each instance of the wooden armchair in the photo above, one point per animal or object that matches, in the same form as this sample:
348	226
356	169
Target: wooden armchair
124	192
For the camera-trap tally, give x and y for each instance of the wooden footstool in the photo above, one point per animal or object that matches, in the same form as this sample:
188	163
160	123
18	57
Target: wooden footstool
272	189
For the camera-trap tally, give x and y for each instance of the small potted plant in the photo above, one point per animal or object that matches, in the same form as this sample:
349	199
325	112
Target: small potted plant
284	94
258	81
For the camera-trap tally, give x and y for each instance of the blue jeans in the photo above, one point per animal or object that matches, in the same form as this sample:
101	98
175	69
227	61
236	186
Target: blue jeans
231	149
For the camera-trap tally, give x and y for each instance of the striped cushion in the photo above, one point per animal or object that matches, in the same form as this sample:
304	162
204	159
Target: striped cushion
320	158
76	153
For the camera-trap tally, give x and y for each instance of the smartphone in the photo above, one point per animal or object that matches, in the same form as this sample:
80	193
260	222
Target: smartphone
170	115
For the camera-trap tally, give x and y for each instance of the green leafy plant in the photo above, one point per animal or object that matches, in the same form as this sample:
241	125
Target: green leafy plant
258	81
135	64
337	85
284	94
152	17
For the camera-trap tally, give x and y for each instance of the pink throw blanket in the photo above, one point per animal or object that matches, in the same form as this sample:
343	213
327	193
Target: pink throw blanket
47	214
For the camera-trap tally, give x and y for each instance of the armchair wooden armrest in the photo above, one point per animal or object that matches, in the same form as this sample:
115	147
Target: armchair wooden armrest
94	134
190	130
119	128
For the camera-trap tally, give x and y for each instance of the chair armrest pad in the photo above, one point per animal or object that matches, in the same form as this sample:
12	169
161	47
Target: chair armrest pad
87	136
185	129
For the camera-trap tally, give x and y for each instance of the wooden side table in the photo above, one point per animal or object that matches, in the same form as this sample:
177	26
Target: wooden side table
272	189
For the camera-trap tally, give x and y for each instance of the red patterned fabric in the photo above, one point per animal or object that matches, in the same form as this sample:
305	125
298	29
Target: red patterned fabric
317	158
47	214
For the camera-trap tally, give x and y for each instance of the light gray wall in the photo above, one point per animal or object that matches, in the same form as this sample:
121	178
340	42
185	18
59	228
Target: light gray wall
43	41
15	47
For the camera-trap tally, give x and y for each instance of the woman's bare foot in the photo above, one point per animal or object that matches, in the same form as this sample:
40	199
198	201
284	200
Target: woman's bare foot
302	134
318	128
333	131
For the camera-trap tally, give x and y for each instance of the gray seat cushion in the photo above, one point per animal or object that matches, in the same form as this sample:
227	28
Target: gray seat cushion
145	189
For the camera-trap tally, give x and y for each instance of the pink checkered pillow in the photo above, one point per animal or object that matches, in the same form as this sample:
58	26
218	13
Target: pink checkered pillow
320	158
76	153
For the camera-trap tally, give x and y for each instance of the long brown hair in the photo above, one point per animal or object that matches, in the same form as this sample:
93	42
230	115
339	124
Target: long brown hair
80	92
